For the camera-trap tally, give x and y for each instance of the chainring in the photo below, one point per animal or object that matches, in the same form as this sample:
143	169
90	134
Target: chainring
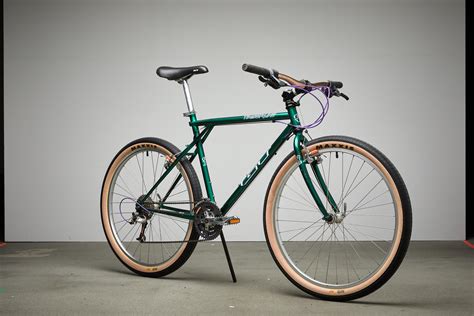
205	213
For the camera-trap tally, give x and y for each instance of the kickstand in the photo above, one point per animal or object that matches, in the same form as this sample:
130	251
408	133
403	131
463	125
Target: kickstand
231	268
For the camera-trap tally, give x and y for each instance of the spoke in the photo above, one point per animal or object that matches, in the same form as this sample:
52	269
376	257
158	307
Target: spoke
163	248
328	181
129	243
297	209
342	175
345	182
304	204
370	191
368	235
301	188
129	191
353	180
121	221
131	173
309	226
373	215
294	221
125	237
349	231
172	217
125	190
319	252
299	194
166	229
349	192
291	230
124	224
376	197
123	195
177	193
150	237
174	221
330	249
357	253
353	248
314	242
136	248
368	207
143	168
345	254
153	167
143	177
369	226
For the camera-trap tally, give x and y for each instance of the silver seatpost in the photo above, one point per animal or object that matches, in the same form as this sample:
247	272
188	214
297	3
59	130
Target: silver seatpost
187	94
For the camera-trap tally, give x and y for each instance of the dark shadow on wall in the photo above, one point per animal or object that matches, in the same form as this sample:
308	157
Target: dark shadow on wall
2	162
469	217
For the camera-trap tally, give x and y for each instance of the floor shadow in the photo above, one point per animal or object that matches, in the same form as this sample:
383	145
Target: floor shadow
364	301
216	278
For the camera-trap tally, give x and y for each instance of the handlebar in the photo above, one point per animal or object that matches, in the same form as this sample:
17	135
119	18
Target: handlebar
259	70
276	80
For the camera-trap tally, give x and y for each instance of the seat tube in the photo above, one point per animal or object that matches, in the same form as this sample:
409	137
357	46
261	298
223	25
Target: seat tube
199	147
202	161
297	144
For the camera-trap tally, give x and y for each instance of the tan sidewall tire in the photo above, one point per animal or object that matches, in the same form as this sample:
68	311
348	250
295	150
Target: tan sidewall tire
271	233
105	212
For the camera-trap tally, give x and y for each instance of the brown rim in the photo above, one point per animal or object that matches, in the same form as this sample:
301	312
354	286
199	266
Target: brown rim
272	234
105	212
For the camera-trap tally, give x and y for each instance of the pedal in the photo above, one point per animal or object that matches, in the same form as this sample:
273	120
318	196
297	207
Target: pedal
232	220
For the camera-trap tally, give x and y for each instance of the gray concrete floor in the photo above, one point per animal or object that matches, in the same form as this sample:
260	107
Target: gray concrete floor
86	278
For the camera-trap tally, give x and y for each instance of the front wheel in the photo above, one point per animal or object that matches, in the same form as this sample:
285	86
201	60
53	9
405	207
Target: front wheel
348	258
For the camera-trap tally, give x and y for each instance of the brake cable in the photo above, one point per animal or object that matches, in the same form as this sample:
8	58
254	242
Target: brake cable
324	107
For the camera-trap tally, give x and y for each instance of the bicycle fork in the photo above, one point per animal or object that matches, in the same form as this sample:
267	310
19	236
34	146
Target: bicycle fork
304	158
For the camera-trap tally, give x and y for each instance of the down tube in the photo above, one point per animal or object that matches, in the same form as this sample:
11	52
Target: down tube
267	156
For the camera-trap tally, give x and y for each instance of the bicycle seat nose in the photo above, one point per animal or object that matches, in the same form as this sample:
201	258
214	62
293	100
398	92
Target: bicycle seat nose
180	73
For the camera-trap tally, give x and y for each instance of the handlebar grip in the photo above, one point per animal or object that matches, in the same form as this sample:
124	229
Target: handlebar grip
259	70
336	84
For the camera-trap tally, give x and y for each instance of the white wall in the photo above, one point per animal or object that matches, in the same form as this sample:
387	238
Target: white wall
80	83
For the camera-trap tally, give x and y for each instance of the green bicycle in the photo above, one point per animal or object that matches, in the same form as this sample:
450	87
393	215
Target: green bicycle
337	214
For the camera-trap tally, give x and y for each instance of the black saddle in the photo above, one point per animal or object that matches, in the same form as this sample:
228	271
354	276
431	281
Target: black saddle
180	73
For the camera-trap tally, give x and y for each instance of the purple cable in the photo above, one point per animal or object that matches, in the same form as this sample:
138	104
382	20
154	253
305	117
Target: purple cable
325	107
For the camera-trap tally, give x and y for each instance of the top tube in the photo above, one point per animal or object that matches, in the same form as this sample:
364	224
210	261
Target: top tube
242	119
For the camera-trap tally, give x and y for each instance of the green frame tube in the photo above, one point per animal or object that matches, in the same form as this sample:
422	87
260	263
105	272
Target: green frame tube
200	136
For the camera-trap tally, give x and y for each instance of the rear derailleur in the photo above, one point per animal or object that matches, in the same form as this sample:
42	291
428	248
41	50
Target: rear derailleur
142	215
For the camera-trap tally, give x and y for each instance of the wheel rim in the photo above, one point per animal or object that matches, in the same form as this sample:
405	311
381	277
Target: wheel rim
132	175
337	259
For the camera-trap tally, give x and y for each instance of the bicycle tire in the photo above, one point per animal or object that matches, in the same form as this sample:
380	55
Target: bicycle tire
189	176
402	233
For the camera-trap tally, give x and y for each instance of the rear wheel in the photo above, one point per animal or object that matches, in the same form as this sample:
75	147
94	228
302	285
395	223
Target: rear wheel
355	255
149	244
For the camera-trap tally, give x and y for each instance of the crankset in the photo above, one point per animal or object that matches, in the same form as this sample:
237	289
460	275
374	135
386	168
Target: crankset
208	219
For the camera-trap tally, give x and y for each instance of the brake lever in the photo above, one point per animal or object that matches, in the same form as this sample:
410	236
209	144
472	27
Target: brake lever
272	82
337	93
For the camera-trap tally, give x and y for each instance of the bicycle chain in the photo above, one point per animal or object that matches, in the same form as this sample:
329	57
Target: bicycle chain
211	238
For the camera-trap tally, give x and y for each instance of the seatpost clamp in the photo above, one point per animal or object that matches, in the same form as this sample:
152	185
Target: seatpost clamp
188	114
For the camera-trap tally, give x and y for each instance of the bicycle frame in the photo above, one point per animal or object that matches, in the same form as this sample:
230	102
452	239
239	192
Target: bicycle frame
201	136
